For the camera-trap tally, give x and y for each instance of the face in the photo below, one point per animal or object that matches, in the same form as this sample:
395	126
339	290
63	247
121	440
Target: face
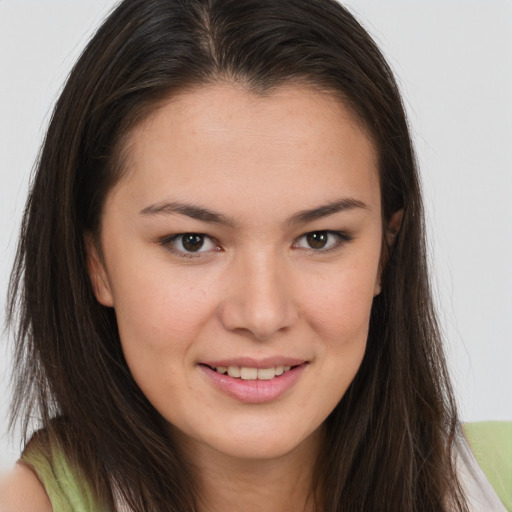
240	252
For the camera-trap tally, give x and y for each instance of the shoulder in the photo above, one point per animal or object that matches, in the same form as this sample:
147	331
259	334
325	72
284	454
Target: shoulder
21	491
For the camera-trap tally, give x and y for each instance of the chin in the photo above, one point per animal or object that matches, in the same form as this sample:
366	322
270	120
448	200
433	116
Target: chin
262	449
251	442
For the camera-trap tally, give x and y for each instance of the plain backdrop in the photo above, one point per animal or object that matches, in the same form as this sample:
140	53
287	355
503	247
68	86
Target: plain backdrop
453	60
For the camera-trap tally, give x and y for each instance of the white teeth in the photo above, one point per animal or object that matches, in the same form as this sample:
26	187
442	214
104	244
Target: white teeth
266	373
247	373
234	371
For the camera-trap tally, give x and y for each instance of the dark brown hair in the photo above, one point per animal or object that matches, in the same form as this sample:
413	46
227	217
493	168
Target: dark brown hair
389	441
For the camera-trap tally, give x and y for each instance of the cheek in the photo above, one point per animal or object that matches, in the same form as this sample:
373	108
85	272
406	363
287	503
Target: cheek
343	329
158	311
341	308
339	313
160	317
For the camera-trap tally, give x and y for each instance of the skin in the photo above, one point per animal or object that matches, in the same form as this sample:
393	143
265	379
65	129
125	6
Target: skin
21	491
256	288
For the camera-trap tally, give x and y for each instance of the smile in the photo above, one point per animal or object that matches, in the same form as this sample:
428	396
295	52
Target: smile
248	373
253	381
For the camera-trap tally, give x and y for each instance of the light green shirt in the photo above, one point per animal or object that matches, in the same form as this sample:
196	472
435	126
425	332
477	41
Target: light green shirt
491	444
66	489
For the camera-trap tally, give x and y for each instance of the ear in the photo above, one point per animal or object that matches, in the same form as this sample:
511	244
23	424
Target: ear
392	230
97	272
394	226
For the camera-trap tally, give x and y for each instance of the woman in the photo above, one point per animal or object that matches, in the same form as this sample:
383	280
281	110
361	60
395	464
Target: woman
221	276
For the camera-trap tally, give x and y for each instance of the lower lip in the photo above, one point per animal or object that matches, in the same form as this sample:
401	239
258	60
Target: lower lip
255	391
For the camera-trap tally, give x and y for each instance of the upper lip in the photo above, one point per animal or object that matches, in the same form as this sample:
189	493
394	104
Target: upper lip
250	362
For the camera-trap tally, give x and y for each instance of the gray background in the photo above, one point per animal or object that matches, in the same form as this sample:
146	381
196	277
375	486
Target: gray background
453	60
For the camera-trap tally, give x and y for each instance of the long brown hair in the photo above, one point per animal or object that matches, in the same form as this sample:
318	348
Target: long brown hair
389	441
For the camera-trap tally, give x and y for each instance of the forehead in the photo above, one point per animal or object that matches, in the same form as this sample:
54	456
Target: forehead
221	142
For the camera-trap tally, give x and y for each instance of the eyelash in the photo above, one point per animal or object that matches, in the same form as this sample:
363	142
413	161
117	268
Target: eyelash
341	238
169	242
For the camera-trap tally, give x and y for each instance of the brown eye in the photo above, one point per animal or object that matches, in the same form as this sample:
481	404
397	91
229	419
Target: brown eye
192	242
322	241
317	239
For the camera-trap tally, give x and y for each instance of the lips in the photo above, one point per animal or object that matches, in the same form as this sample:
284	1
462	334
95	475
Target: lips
254	381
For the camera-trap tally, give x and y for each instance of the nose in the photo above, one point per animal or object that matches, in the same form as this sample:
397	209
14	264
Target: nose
259	300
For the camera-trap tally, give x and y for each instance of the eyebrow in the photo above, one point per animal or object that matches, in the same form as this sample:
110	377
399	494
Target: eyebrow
325	210
190	210
206	215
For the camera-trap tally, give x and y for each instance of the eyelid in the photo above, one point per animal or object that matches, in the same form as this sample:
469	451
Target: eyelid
342	238
169	243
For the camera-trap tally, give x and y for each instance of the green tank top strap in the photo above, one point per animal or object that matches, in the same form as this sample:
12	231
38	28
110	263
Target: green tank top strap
67	491
491	444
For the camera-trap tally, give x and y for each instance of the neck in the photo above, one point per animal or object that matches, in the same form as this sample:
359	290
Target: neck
281	484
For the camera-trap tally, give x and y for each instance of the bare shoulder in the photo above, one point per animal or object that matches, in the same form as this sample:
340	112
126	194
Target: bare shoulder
21	491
